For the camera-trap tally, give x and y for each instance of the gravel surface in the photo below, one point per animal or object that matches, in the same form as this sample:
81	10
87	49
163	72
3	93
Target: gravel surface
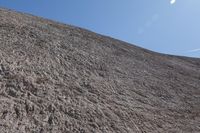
64	79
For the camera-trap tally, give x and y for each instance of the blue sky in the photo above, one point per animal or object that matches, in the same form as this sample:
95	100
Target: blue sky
157	25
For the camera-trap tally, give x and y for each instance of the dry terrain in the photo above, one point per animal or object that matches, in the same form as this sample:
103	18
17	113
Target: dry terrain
59	78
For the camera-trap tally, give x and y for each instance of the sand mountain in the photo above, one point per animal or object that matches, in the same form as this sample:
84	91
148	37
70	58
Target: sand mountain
64	79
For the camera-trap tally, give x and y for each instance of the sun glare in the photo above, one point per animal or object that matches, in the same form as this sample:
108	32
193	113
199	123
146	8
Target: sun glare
172	2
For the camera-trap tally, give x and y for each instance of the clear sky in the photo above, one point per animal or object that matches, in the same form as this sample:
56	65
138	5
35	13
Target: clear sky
166	26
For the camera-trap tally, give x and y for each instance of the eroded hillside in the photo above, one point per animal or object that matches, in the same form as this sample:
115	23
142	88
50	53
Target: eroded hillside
59	78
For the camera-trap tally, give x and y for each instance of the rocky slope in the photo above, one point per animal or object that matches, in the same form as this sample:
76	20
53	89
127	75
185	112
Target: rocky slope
63	79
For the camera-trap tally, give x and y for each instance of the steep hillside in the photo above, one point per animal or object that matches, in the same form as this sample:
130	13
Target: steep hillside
63	79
